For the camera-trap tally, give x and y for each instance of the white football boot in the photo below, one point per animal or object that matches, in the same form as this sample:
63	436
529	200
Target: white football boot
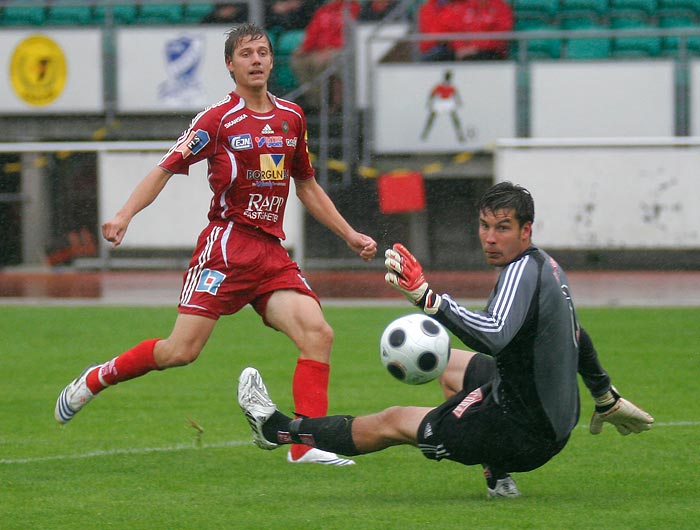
318	456
256	404
505	487
74	397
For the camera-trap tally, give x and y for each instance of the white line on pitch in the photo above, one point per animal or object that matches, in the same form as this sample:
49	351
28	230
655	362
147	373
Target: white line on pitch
232	443
111	452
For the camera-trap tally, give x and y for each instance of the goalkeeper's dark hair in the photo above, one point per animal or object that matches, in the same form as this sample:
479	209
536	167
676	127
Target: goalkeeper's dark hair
506	196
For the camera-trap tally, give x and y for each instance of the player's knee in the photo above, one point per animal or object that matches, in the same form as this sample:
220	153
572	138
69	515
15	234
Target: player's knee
446	384
391	426
184	357
172	355
317	342
326	335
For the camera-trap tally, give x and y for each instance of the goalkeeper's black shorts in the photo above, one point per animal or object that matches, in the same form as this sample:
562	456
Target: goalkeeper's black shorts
471	428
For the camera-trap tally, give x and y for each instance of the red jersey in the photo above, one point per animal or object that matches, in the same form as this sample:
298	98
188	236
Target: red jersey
429	22
251	157
325	29
480	16
465	16
443	91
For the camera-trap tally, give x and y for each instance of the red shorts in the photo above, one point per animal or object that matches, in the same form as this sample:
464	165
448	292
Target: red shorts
235	266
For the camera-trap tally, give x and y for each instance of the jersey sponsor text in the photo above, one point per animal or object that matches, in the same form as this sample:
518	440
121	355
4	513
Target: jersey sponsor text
240	142
263	208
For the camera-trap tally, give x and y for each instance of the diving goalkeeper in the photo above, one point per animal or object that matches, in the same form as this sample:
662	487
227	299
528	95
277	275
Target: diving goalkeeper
509	408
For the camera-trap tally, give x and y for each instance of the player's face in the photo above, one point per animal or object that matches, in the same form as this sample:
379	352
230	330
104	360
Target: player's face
502	237
251	63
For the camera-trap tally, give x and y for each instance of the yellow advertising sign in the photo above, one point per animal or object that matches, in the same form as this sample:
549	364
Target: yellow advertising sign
38	70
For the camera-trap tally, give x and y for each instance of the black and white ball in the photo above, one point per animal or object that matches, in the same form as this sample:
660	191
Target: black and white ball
415	349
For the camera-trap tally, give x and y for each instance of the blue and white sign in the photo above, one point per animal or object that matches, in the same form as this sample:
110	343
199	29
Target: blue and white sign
171	69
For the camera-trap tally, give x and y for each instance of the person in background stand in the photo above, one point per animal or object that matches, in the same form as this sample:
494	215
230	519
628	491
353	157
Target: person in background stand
323	43
254	144
464	16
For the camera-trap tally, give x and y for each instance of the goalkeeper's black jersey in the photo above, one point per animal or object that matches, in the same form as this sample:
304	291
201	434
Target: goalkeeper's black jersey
529	326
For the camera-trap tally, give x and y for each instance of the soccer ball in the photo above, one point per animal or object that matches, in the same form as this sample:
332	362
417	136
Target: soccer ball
415	349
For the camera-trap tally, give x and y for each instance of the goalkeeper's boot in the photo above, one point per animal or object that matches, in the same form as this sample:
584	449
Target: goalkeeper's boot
505	487
256	404
500	484
74	397
318	456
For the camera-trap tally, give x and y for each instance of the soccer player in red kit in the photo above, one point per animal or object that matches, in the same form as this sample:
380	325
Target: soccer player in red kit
254	144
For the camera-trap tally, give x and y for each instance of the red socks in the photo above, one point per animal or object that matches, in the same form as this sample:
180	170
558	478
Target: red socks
310	391
132	363
309	384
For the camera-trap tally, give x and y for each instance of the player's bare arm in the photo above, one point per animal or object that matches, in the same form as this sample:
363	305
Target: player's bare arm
321	207
144	194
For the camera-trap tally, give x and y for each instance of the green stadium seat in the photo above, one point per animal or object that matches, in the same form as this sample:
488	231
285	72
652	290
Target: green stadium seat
670	45
160	14
676	21
73	15
685	5
289	41
539	48
123	14
22	15
586	47
646	7
595	9
637	45
535	9
284	78
194	13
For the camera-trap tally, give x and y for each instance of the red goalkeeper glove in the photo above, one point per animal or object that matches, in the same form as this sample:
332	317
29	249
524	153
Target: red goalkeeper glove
624	415
406	275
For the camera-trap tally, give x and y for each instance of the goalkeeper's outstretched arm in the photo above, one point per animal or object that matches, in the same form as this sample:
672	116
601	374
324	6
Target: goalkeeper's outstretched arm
593	374
610	407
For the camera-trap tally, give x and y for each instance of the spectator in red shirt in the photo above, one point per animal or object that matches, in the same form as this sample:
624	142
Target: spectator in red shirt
464	16
323	42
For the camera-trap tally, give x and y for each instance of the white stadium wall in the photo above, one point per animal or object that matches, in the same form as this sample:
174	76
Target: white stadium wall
602	99
485	109
694	98
608	194
372	42
567	99
175	69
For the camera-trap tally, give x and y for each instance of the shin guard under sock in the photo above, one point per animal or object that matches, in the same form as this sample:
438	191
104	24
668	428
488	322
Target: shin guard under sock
330	433
310	392
310	388
133	363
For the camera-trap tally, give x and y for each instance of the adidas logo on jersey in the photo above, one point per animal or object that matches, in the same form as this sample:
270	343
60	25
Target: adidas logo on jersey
267	129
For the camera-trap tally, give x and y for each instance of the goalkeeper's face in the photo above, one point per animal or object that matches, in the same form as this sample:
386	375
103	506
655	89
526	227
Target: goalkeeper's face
502	237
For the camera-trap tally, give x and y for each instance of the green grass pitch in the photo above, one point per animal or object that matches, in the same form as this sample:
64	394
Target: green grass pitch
132	460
